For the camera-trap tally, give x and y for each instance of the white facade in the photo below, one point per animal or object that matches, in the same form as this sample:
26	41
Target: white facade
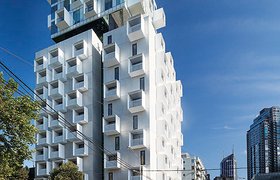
68	77
140	96
194	168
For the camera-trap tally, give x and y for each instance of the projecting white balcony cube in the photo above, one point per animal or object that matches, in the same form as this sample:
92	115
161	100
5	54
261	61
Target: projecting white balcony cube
50	21
75	4
56	121
74	67
40	64
74	100
80	149
137	139
80	50
90	8
56	89
112	162
58	136
43	168
160	44
78	161
75	134
41	154
159	19
136	65
41	93
111	125
80	115
58	73
80	83
56	57
42	124
43	138
136	6
111	55
135	28
42	78
56	152
136	101
59	105
112	90
62	18
45	108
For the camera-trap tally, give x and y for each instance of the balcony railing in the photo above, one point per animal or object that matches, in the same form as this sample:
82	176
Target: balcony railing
136	67
137	142
135	103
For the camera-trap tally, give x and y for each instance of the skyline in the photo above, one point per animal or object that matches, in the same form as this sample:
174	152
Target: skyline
227	46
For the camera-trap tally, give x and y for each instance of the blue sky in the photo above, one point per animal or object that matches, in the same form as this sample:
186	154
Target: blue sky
227	54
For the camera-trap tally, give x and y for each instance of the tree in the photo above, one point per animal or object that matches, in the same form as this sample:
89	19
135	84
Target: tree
16	131
20	174
67	171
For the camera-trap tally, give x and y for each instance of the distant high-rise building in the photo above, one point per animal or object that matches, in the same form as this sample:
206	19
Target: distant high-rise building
194	168
263	143
228	167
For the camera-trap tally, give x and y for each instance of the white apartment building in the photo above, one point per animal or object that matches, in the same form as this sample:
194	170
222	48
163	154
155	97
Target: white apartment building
194	168
109	73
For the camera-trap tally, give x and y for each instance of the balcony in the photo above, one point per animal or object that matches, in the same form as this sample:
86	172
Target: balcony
160	44
74	67
42	78
62	18
43	168
90	10
58	136
111	55
72	135
136	6
57	152
45	108
78	161
135	28
58	74
41	154
80	115
112	90
43	138
80	149
80	83
56	121
111	161
56	57
111	125
42	92
74	100
42	124
40	64
136	101
137	139
159	19
136	65
59	105
56	89
75	4
80	50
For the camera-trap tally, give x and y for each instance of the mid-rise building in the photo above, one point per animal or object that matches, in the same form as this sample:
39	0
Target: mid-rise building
193	168
263	143
229	167
109	73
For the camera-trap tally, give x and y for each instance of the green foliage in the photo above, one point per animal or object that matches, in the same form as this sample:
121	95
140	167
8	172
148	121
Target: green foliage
67	171
20	174
16	131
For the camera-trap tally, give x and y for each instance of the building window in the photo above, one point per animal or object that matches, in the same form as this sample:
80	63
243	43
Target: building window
117	73
109	39
134	49
110	109
76	16
108	4
110	176
135	122
117	143
142	157
142	83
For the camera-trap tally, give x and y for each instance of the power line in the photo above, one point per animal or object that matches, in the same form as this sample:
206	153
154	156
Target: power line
18	57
